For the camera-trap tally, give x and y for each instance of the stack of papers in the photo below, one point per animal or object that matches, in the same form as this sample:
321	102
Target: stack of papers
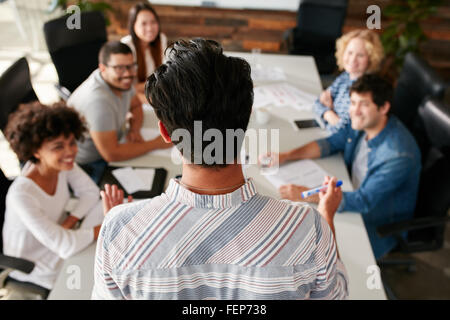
147	107
152	133
133	180
302	172
283	94
260	73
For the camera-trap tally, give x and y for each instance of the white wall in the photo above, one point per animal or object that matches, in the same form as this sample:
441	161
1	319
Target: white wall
289	5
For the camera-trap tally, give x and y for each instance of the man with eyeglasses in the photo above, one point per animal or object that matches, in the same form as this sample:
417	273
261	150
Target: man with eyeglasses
109	104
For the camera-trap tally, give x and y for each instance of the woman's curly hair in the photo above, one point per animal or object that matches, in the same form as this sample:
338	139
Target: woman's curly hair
34	123
372	43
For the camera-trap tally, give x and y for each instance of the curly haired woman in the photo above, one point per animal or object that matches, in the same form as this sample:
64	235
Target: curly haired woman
37	226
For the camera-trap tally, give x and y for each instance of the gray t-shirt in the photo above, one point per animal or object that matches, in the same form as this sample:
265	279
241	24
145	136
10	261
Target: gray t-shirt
103	111
359	165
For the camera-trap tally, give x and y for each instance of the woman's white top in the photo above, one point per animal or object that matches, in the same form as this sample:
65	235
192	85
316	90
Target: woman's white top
149	63
32	227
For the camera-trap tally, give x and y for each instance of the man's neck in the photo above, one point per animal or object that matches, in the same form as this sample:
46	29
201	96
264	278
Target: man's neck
375	130
212	181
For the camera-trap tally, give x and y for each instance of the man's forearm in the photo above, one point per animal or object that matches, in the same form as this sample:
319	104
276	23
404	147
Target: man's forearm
138	115
129	150
309	151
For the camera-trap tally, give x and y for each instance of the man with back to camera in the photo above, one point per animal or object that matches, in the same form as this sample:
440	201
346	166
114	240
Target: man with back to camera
381	155
211	235
107	100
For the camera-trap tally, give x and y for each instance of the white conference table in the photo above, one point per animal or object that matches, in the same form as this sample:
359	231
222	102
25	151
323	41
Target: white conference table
352	240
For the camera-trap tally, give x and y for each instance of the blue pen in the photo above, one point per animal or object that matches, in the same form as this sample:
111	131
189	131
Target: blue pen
308	193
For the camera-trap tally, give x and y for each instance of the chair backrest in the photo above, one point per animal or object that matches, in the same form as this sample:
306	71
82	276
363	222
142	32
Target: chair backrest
319	25
15	88
4	186
74	52
417	81
434	190
322	18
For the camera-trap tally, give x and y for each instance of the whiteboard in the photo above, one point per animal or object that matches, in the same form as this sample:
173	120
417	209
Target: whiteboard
288	5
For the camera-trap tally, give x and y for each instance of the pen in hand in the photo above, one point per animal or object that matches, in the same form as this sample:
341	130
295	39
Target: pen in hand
311	192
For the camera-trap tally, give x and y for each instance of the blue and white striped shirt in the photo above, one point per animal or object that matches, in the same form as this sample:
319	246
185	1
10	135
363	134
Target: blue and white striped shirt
240	245
340	93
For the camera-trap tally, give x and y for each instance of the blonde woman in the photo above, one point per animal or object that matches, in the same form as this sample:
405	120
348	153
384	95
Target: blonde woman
357	52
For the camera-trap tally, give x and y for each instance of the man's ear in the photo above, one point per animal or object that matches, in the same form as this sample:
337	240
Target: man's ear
385	108
37	155
163	132
102	67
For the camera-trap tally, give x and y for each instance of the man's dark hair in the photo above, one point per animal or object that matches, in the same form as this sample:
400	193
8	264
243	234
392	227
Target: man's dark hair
380	89
200	83
112	47
34	123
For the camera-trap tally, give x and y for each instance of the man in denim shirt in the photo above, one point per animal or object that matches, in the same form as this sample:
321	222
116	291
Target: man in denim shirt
381	155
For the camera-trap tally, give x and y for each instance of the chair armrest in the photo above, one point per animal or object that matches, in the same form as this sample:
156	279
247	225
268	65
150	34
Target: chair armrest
408	225
19	264
63	92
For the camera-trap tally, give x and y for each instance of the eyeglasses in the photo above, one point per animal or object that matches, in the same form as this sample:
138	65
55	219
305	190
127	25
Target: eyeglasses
120	69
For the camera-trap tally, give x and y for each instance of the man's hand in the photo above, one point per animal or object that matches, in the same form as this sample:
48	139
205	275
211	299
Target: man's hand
326	99
111	197
329	199
275	159
161	144
294	193
134	136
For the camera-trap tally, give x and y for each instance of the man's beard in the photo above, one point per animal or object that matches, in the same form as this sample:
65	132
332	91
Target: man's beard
113	87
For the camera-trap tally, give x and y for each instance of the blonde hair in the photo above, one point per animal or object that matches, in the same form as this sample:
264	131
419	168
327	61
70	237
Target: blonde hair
372	43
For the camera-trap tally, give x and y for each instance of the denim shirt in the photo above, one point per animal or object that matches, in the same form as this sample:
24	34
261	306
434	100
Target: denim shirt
339	90
388	192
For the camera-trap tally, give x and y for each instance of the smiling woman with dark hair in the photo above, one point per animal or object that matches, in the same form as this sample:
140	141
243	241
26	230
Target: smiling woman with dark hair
37	226
146	41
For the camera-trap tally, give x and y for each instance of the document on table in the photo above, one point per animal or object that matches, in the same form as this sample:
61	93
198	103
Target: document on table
283	94
265	73
262	97
302	172
152	133
133	180
147	107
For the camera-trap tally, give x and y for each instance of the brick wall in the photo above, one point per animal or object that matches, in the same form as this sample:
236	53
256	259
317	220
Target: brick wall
242	30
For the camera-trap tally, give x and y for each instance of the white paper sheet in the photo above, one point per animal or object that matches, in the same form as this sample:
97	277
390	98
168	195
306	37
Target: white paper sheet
262	97
152	133
283	94
265	73
147	107
302	172
146	175
130	180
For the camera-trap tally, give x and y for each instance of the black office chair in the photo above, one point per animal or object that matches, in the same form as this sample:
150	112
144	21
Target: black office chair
74	52
426	229
15	88
319	25
11	288
417	82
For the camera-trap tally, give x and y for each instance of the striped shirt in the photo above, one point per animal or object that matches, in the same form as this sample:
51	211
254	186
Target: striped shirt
340	93
240	245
